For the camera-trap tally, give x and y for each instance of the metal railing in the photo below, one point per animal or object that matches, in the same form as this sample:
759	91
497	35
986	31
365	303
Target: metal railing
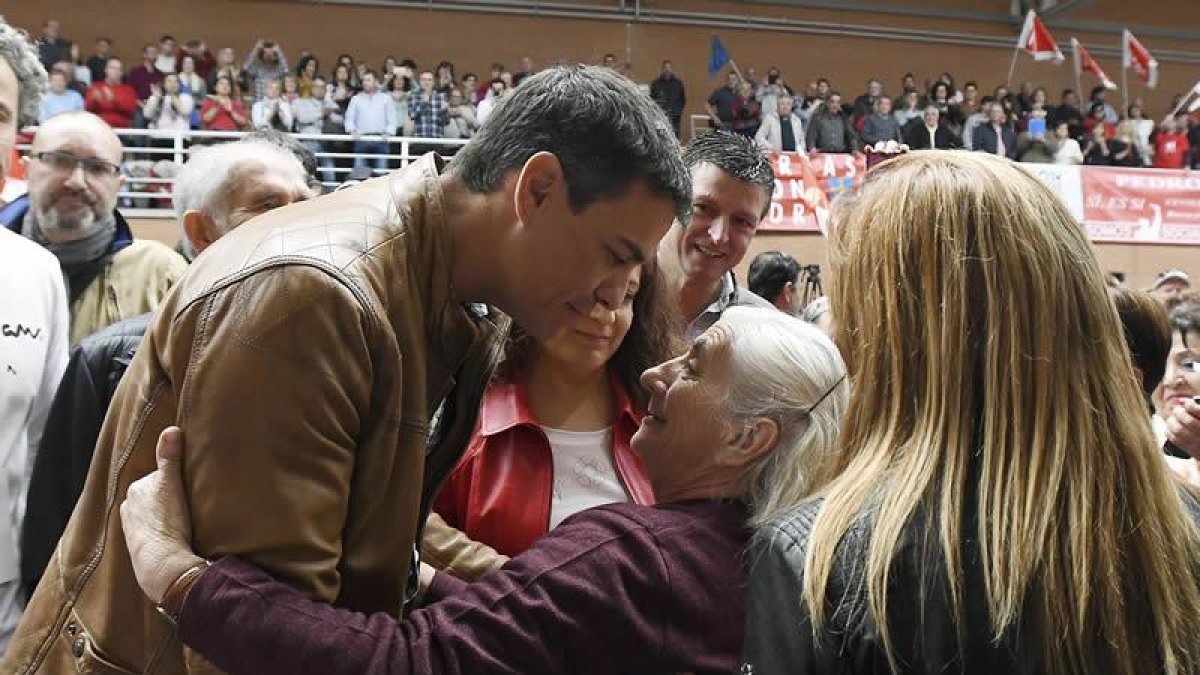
150	194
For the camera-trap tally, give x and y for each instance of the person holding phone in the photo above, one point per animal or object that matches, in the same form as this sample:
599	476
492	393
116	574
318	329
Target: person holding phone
1178	406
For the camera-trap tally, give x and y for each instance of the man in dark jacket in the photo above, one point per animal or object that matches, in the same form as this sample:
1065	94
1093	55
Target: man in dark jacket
668	92
830	130
996	137
220	188
932	134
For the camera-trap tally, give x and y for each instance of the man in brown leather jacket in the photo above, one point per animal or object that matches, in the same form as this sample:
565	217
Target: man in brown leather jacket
305	353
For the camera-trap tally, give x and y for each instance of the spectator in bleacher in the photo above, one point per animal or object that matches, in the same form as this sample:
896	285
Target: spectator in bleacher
145	74
1037	147
1125	146
482	91
908	82
444	77
460	117
668	92
933	134
864	105
720	104
227	66
34	309
829	130
168	55
168	107
773	276
768	93
272	111
747	113
111	99
974	121
190	80
497	92
732	182
290	88
52	47
1024	98
1170	146
72	212
266	61
468	85
80	73
909	110
220	188
1099	92
59	99
956	96
307	70
370	120
348	61
940	97
312	113
99	60
1068	111
341	88
1099	149
222	111
1143	129
1068	151
970	103
782	130
427	108
1036	110
996	137
881	125
203	59
526	70
401	92
68	72
609	61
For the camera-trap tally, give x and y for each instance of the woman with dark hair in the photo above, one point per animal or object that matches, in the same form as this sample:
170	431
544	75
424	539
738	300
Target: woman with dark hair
351	67
308	69
554	431
1095	117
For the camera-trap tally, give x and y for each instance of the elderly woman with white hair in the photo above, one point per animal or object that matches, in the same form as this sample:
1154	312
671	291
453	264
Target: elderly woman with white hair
739	429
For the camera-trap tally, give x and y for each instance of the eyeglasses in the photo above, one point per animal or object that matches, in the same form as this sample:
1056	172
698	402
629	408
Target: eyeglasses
66	162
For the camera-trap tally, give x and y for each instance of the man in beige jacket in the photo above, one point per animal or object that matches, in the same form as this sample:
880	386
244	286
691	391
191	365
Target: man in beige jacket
305	353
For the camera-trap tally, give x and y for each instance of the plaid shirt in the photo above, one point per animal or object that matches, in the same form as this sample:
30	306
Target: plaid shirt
429	117
260	71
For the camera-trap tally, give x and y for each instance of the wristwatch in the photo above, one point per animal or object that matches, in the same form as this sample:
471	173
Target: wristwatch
172	601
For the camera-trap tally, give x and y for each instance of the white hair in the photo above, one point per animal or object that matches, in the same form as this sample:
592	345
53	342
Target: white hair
18	51
203	183
790	372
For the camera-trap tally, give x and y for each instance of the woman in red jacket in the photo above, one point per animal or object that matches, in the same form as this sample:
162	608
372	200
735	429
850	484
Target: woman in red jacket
554	427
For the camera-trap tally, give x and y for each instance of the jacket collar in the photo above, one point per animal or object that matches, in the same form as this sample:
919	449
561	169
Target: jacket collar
12	216
506	406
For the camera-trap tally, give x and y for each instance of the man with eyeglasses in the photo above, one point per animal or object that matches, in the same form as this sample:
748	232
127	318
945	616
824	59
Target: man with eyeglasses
74	173
33	326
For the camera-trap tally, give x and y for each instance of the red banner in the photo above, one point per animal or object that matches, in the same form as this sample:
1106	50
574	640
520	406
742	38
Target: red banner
1142	205
804	187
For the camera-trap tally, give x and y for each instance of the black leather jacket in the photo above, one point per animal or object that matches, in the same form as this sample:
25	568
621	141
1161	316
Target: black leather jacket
779	637
93	372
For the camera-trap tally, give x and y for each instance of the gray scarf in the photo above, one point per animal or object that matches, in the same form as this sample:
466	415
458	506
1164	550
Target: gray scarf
73	254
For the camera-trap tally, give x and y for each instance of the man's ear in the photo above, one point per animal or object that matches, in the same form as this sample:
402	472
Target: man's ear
200	229
539	180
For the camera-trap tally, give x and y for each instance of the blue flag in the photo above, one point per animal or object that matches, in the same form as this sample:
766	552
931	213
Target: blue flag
717	57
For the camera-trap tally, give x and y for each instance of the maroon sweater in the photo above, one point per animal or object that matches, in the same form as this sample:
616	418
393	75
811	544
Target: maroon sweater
614	589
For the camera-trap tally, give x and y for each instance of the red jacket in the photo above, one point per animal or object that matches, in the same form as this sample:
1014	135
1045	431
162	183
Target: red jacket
118	109
499	494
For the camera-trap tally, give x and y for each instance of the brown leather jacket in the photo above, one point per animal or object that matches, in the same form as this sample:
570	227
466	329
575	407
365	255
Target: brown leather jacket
303	355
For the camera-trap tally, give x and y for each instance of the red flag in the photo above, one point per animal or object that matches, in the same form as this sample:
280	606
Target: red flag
1037	40
1085	62
1134	54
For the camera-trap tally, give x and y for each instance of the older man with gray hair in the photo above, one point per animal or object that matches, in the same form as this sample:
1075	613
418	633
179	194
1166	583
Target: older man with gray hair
219	188
34	320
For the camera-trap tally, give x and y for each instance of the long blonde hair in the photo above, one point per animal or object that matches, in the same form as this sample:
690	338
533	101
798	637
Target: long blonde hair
989	369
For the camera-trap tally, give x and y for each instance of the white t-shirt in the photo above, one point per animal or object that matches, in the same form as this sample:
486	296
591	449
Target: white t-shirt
584	474
33	354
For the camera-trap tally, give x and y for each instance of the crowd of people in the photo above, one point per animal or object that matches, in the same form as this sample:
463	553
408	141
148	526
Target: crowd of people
514	412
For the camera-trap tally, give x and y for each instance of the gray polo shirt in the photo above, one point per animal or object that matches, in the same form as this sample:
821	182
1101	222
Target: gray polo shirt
731	295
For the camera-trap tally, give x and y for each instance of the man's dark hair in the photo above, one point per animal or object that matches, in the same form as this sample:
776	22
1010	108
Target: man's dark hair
497	80
165	38
1098	89
735	155
467	76
290	144
770	272
105	39
606	134
971	83
409	63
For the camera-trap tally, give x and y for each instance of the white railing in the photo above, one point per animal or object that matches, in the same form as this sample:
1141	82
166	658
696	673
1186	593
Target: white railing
150	194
